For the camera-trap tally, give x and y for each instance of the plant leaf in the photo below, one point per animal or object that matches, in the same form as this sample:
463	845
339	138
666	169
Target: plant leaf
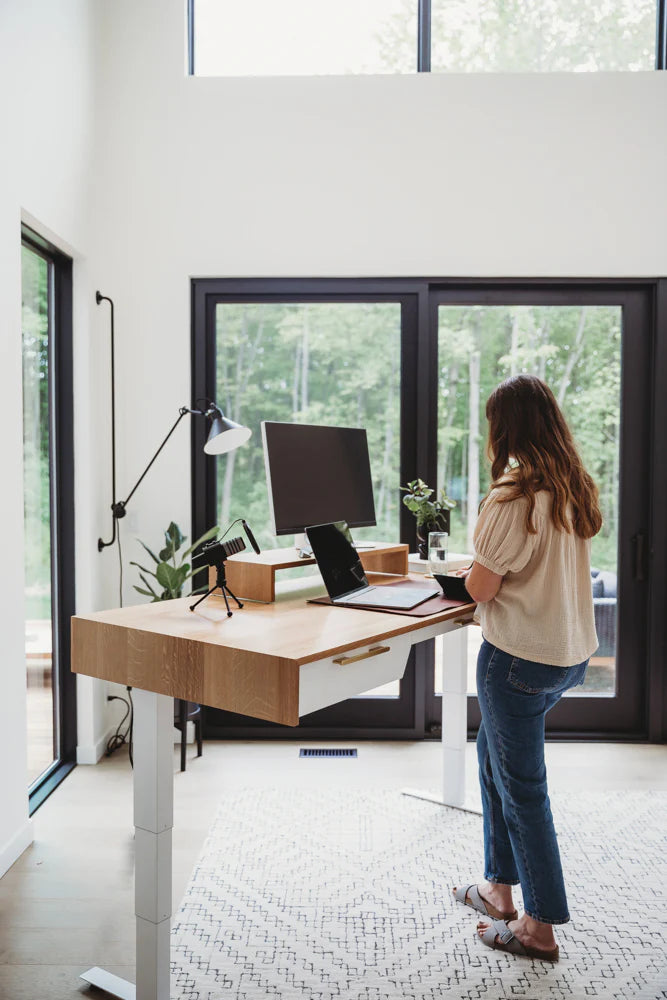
143	568
148	584
151	554
211	533
174	537
195	572
168	577
140	590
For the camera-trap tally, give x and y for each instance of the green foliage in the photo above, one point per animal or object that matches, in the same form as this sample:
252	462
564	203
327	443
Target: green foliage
428	513
576	350
527	35
170	572
36	424
332	363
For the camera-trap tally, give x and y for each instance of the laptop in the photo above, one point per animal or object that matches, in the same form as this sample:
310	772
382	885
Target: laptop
344	575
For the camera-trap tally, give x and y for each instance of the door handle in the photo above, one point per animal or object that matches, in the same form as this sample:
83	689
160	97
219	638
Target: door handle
373	651
639	543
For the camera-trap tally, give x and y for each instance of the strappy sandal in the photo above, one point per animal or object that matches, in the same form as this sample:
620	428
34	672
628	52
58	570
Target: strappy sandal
477	903
499	936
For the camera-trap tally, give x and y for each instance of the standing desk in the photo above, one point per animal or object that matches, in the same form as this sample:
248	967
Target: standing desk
271	661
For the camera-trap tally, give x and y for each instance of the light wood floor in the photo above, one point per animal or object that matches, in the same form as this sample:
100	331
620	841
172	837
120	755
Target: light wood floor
67	903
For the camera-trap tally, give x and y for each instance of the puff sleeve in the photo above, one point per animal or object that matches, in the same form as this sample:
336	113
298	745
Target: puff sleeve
501	541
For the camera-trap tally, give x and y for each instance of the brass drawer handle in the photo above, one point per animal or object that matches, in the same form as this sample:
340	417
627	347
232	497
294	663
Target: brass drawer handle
373	651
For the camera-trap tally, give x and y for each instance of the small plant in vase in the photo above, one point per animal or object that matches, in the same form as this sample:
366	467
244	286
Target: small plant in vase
430	514
170	572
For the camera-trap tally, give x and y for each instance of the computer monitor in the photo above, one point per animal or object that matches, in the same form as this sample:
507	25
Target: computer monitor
317	474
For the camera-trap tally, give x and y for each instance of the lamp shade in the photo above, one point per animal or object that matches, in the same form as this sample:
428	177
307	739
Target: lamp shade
224	435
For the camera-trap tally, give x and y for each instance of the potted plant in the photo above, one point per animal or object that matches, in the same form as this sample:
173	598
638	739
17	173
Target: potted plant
430	514
170	573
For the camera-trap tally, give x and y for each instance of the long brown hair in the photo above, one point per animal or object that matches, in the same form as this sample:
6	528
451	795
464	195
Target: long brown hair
531	448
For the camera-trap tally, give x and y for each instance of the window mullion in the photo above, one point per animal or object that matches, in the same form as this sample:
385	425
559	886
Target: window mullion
424	36
661	35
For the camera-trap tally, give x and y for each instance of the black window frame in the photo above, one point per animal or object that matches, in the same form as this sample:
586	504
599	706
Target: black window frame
649	295
61	463
423	39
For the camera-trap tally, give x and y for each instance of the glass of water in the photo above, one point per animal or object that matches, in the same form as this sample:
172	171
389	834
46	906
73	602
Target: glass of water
437	552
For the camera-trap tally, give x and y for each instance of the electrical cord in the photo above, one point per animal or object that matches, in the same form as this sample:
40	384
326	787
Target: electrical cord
130	748
118	739
226	532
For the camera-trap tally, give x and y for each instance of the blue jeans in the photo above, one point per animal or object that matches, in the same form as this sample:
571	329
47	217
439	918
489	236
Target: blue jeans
519	837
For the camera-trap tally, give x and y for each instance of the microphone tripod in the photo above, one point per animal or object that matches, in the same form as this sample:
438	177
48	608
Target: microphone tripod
221	582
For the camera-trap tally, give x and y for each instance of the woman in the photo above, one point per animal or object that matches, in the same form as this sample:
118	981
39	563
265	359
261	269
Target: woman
531	579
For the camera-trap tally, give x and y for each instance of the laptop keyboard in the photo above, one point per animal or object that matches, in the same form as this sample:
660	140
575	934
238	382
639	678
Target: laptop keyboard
405	597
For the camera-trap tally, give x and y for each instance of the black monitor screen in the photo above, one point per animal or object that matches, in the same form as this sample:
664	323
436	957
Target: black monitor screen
316	475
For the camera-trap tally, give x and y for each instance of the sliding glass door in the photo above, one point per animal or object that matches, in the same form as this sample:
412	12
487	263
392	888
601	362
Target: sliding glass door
593	349
48	513
414	361
319	358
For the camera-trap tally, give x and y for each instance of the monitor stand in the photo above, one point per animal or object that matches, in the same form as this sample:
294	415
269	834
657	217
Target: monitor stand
304	549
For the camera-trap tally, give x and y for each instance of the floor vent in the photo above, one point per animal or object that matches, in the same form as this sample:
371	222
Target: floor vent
320	752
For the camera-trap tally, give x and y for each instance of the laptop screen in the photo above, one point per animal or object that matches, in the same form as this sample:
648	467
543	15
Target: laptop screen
337	558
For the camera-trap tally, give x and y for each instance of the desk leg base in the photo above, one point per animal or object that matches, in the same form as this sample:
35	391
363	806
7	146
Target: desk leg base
114	985
468	805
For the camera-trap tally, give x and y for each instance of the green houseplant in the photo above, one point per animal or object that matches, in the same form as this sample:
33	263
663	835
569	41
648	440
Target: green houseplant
170	572
431	514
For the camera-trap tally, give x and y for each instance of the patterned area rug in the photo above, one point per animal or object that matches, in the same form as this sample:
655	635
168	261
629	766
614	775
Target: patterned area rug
331	895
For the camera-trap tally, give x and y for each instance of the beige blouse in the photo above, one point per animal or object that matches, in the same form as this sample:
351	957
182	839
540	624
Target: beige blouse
544	608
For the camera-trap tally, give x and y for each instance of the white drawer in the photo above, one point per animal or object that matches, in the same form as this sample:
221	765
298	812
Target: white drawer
328	681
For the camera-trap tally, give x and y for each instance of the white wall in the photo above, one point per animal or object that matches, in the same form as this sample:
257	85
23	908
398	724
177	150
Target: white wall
423	175
46	94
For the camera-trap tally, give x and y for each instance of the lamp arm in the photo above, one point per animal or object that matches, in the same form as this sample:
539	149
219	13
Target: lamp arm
118	507
181	413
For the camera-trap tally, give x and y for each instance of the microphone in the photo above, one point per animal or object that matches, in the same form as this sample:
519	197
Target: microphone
251	538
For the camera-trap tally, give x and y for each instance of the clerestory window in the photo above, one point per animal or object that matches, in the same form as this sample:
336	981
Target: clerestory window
337	37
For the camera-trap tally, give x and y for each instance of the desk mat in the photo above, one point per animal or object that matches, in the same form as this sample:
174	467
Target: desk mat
430	607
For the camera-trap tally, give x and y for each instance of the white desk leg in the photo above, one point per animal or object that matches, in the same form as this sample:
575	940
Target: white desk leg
153	820
454	724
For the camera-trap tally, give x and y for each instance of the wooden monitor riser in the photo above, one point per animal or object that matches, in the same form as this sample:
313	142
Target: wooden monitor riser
254	576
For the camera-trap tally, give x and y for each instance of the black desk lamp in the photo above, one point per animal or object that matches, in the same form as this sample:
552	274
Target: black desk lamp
224	435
